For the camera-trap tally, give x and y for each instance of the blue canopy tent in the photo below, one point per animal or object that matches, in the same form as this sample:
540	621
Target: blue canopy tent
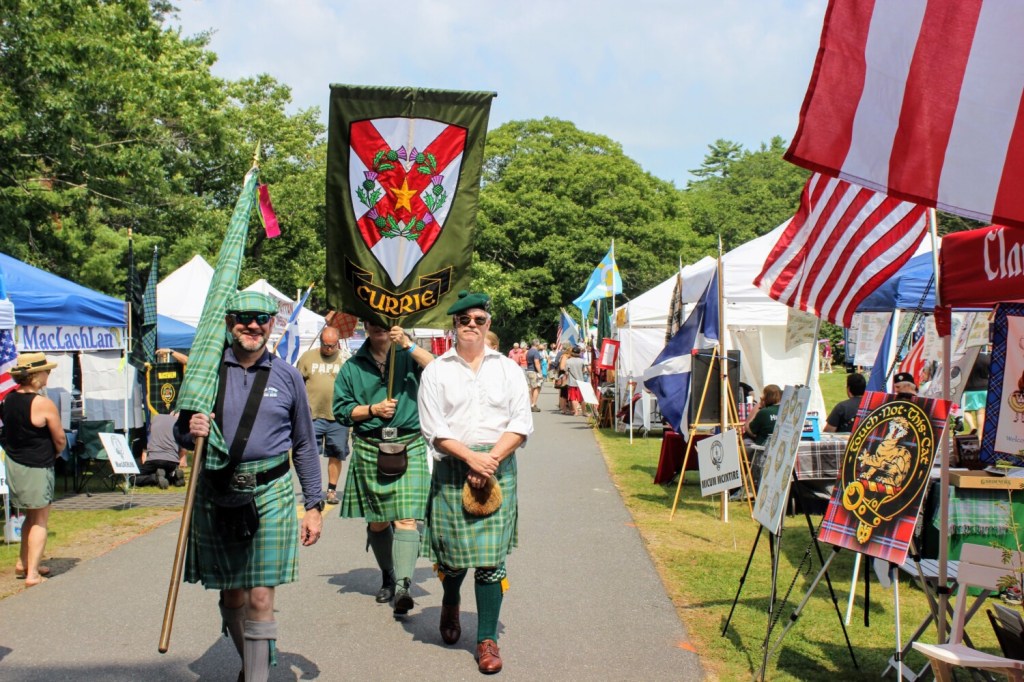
42	298
906	289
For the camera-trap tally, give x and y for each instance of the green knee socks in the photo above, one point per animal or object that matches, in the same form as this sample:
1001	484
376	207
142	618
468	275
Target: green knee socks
405	549
451	584
488	607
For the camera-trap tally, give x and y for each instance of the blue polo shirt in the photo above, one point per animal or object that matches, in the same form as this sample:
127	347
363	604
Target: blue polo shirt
282	423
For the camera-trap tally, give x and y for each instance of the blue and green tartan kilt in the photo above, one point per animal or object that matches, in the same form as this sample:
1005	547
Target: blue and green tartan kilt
269	559
459	540
377	498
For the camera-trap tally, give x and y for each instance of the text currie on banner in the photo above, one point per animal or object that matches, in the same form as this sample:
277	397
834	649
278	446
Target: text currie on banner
403	180
920	100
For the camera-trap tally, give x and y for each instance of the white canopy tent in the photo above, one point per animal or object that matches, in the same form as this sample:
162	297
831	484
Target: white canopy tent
756	324
181	294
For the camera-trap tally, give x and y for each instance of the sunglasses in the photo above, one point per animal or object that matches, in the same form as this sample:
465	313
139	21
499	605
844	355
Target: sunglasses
464	320
328	346
247	317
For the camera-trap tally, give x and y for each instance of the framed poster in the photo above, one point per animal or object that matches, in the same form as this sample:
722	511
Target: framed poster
1003	437
609	353
883	475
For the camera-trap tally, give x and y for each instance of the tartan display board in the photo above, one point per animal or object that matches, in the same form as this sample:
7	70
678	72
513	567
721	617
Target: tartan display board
163	383
1003	436
884	474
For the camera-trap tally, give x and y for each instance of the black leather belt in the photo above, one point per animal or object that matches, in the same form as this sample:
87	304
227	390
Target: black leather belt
379	433
262	477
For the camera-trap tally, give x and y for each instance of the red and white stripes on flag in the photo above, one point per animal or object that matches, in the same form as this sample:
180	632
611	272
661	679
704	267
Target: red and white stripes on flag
921	100
8	358
913	362
841	245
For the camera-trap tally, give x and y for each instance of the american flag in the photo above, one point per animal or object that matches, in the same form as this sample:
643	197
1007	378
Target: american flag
841	245
920	99
8	356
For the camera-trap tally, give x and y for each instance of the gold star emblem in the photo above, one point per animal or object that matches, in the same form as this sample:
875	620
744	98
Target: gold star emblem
403	195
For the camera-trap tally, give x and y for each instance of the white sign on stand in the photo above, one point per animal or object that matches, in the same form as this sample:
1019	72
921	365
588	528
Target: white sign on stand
119	454
780	458
587	391
719	460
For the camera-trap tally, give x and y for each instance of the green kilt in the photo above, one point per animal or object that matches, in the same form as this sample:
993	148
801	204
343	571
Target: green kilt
459	540
269	559
376	498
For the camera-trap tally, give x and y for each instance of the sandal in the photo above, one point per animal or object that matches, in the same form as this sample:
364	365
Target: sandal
20	573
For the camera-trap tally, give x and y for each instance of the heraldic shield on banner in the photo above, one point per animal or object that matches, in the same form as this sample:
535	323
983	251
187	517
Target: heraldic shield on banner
403	180
884	475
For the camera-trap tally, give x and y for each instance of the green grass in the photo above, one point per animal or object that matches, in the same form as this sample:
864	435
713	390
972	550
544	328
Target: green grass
833	389
701	560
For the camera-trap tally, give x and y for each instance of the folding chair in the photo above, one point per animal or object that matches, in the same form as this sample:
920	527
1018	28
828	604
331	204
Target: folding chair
90	457
1009	628
980	566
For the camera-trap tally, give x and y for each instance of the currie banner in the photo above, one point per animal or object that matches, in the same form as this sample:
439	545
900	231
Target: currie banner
403	179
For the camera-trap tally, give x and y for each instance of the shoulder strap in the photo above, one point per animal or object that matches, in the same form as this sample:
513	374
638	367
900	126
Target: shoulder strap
252	406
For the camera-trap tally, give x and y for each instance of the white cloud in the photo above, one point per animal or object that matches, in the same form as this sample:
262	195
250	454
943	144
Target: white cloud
664	78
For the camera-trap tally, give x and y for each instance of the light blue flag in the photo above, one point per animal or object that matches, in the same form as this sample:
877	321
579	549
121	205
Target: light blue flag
605	281
289	346
669	377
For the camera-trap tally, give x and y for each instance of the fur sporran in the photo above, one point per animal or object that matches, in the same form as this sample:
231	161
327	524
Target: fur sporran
482	501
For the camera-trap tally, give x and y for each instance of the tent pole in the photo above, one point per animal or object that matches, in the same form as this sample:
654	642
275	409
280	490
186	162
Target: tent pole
723	365
940	621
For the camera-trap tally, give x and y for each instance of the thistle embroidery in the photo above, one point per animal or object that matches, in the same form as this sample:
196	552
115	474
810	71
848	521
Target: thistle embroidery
387	220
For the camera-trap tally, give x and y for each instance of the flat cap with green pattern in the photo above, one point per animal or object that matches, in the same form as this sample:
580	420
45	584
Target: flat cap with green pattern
468	301
251	301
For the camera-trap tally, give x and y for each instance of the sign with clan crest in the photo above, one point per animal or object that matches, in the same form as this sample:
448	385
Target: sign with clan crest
403	178
883	475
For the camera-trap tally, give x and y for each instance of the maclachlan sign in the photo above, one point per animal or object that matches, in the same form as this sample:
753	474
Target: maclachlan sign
403	180
63	339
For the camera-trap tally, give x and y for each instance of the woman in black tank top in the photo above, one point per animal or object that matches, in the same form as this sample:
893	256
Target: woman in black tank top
33	437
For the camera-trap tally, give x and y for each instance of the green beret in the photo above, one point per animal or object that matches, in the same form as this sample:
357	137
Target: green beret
468	301
251	301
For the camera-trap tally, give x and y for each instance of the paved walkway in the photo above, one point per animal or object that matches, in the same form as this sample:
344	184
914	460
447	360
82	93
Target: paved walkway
585	601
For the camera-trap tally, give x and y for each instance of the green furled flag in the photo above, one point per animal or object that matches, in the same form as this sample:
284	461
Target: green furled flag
144	325
199	389
403	179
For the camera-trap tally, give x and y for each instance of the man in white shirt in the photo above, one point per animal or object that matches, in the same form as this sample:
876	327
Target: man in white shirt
474	413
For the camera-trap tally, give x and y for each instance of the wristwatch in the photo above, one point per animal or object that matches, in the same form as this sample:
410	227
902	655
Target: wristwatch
319	506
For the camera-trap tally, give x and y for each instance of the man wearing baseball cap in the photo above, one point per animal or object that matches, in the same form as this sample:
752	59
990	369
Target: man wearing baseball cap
903	384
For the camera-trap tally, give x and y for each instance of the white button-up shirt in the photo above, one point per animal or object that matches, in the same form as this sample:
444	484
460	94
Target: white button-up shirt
474	409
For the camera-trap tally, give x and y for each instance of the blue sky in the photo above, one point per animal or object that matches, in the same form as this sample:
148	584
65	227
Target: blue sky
664	78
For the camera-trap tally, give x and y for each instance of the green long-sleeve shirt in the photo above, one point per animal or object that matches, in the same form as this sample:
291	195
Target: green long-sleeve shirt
360	382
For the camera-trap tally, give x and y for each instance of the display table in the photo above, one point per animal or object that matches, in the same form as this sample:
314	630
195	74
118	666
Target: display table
670	462
976	515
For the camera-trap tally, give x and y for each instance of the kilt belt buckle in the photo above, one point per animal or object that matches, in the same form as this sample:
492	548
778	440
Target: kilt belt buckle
242	482
389	433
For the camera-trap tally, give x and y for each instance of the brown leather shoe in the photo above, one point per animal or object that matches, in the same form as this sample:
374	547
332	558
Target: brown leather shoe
488	657
451	629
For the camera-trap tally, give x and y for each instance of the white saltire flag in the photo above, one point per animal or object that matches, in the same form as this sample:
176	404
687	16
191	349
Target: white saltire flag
669	377
289	345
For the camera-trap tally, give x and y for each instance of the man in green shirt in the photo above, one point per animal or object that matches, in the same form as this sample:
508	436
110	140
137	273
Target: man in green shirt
375	395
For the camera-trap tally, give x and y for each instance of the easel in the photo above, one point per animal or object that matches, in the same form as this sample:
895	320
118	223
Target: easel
734	422
774	549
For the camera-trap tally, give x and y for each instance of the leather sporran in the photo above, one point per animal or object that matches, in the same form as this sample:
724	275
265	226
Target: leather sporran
235	508
392	459
236	515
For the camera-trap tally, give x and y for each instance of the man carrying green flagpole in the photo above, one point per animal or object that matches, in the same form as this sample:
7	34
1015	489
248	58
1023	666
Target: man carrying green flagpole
247	411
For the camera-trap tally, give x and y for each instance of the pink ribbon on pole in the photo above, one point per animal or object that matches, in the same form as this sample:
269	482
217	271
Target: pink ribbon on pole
267	215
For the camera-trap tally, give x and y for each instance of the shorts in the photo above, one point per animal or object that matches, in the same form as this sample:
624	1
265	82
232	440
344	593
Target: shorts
31	487
534	379
334	437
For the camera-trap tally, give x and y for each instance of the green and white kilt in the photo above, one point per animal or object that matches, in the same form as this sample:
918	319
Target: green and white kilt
459	540
377	498
269	559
